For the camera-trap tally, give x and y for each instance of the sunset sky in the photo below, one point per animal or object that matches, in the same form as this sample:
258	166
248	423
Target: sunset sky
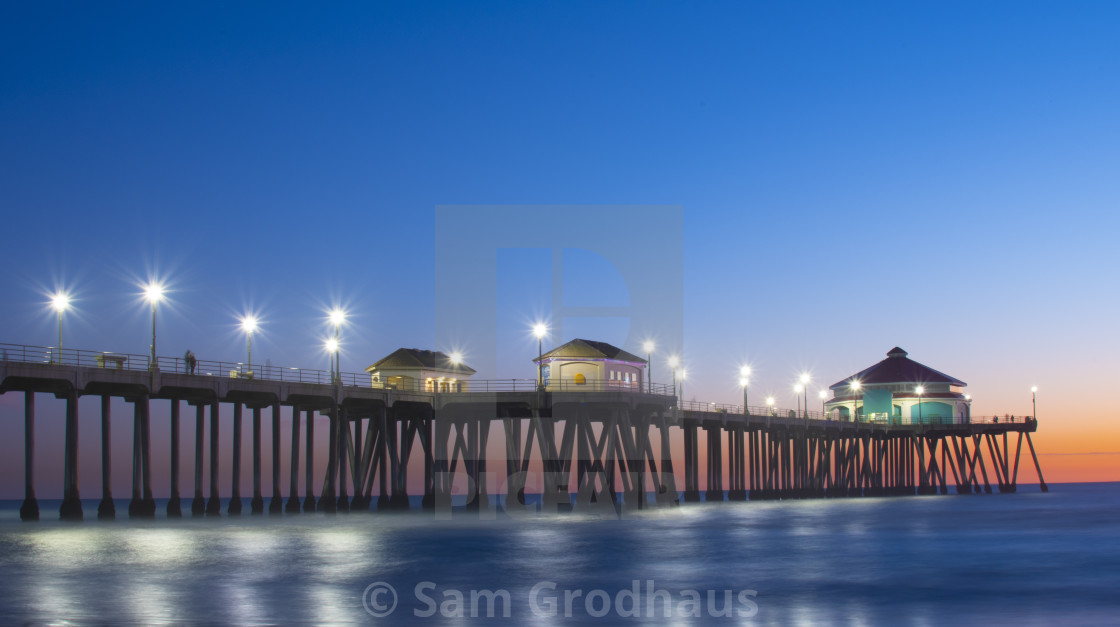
823	182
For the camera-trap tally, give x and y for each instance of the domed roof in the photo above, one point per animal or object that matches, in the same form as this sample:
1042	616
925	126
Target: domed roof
898	368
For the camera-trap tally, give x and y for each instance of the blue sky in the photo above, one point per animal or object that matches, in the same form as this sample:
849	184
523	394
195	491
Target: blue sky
851	176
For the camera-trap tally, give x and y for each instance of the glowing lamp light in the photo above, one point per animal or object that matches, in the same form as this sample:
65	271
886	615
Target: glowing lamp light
920	390
1034	388
805	379
743	381
337	316
648	346
456	358
684	374
674	361
60	302
332	345
154	292
770	401
798	388
856	385
249	324
744	371
822	395
540	329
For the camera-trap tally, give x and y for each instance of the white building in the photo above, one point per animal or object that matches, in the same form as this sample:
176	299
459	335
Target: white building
417	370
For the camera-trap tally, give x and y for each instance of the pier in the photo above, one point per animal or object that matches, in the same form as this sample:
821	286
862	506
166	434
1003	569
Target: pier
595	444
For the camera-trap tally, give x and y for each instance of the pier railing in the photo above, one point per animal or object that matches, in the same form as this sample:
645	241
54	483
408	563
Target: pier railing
49	355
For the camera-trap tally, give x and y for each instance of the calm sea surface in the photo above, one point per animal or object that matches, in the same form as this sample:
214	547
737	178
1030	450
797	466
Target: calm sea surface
1025	558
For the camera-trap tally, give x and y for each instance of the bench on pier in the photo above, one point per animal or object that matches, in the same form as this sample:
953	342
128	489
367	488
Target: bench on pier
117	361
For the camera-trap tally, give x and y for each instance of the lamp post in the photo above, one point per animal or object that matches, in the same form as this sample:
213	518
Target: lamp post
248	325
797	392
332	350
855	385
822	395
770	405
673	363
337	317
153	291
649	366
60	302
920	390
1034	392
744	381
539	330
805	388
684	375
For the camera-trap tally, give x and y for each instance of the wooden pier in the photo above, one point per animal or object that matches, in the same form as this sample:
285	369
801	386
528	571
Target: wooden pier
594	446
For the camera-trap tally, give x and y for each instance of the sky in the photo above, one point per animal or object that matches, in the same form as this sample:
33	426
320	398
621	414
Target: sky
820	182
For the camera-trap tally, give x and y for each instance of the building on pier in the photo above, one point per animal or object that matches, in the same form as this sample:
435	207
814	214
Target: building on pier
416	370
593	364
899	390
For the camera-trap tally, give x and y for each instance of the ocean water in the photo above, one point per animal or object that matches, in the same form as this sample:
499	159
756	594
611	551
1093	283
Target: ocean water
1015	559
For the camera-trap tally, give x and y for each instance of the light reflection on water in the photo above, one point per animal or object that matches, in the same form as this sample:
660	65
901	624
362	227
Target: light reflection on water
1023	558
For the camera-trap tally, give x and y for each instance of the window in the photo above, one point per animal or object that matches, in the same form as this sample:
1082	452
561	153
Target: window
580	379
545	373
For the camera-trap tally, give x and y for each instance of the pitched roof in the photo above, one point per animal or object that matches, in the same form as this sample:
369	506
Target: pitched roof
417	359
590	349
898	368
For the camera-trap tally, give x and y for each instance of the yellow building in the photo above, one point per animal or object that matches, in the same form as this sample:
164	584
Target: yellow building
593	366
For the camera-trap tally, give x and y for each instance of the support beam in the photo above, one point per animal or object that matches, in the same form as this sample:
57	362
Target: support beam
106	509
198	503
309	464
276	503
234	508
146	457
1038	469
174	503
256	504
292	507
214	504
71	508
29	510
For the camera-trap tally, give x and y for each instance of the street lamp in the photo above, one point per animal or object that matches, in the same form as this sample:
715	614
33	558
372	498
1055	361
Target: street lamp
248	325
60	302
337	317
332	349
540	329
744	380
855	385
805	386
770	405
649	365
1034	392
822	395
153	291
797	389
684	375
673	363
920	390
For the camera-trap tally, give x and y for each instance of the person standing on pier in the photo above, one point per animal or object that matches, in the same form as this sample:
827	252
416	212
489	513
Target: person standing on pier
190	360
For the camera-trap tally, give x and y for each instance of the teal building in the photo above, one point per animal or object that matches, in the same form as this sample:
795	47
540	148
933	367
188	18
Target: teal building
899	390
